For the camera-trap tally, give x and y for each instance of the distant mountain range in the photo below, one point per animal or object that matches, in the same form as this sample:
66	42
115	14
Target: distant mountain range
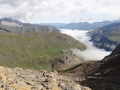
81	25
85	25
57	25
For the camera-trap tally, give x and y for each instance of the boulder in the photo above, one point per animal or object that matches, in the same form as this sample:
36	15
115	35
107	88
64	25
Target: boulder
24	88
19	79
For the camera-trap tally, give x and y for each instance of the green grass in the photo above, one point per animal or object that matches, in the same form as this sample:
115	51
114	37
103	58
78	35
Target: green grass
115	38
34	50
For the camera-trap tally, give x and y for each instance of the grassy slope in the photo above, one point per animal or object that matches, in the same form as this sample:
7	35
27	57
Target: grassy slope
112	34
27	28
115	34
34	50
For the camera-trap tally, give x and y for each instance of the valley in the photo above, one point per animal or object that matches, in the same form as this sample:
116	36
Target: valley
59	45
77	54
87	54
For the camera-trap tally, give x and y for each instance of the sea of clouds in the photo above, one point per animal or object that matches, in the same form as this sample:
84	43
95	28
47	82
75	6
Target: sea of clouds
91	53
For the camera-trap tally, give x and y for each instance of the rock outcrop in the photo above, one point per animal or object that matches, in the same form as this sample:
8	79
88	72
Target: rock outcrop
11	22
19	79
17	27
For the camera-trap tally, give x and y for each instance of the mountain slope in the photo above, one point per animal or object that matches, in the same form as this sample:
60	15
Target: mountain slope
107	75
99	75
35	50
107	37
15	26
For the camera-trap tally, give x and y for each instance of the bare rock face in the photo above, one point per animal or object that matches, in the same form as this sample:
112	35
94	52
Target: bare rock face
11	22
19	79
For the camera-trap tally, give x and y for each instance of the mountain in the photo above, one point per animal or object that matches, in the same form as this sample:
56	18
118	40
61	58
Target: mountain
36	47
86	25
98	75
107	37
109	27
11	22
107	75
15	26
57	25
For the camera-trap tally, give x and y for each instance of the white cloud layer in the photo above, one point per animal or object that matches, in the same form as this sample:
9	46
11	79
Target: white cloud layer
60	10
91	53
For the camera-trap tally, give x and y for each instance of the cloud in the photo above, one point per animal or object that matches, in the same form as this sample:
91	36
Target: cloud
91	53
38	10
12	3
17	3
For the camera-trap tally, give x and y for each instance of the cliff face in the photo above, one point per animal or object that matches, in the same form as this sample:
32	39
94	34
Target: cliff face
11	22
15	26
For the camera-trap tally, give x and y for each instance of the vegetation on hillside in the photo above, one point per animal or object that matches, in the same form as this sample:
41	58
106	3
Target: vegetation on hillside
34	50
107	37
27	28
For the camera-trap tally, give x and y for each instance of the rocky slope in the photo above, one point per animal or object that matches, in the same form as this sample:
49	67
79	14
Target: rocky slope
11	22
19	79
97	75
107	37
15	26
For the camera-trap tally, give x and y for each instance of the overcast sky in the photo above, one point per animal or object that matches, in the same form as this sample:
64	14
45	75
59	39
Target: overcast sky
43	11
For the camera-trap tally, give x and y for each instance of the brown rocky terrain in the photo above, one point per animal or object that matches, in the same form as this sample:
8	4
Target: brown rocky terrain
19	79
99	75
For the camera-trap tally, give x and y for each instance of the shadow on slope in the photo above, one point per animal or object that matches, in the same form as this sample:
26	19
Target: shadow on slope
107	75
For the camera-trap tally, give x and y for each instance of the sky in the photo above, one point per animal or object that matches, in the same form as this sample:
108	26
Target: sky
91	53
64	11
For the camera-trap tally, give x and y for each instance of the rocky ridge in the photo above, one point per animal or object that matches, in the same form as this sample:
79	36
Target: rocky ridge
19	79
11	22
17	27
